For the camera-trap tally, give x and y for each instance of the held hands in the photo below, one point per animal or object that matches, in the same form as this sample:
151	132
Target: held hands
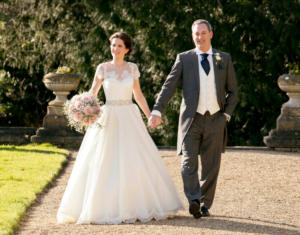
154	121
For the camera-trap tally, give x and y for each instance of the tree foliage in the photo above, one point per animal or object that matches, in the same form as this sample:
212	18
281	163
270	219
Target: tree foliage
38	36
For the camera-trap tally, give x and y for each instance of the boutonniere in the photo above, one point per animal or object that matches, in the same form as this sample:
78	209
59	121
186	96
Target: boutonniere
218	60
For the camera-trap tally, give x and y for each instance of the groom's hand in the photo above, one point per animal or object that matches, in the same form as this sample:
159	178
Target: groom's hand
154	121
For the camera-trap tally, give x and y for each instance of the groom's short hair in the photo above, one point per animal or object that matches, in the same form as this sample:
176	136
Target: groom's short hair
201	21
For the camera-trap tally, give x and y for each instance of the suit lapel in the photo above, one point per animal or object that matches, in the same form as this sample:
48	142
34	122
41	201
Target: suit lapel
217	74
195	68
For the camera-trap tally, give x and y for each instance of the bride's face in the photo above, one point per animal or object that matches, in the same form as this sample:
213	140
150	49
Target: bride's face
117	48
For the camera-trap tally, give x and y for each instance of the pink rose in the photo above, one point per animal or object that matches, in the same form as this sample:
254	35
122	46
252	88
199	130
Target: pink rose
88	110
96	109
78	117
78	105
87	99
86	121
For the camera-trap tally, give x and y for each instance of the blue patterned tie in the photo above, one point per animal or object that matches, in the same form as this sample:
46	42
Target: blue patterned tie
205	63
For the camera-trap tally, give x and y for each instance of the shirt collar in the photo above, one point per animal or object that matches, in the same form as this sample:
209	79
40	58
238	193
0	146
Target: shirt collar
198	51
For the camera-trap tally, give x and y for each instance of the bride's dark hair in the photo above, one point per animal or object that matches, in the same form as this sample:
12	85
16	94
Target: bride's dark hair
125	38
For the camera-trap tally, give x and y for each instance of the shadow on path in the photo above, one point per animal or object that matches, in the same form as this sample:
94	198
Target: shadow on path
227	223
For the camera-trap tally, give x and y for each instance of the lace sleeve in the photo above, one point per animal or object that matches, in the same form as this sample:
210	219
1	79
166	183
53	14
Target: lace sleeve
136	72
98	78
99	72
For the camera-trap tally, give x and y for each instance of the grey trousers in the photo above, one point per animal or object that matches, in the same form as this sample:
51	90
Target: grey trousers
205	136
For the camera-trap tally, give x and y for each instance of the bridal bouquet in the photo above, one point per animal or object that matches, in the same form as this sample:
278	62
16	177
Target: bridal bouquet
82	110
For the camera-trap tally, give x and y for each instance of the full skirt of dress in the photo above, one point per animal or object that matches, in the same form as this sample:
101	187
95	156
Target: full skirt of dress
118	175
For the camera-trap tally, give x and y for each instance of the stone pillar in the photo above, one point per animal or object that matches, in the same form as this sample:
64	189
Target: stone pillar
286	136
55	129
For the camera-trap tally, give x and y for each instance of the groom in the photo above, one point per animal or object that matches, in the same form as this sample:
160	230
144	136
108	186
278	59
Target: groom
209	96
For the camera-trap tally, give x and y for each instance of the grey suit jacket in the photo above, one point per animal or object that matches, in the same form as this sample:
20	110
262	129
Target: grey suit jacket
185	71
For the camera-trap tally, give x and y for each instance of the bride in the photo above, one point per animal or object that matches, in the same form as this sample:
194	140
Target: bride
118	175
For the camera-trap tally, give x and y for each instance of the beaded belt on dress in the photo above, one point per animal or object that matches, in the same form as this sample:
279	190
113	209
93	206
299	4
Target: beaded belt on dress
118	102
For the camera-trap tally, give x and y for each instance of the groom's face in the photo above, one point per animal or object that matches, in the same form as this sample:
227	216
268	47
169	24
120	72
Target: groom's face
202	37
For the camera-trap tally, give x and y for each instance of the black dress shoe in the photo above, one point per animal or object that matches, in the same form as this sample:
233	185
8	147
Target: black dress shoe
197	215
194	209
204	211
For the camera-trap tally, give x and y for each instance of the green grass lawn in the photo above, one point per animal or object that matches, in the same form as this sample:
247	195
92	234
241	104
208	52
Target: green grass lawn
24	172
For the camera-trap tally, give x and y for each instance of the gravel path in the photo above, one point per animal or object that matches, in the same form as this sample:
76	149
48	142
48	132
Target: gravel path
258	192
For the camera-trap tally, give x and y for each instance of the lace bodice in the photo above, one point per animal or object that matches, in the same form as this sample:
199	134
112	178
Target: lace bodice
117	81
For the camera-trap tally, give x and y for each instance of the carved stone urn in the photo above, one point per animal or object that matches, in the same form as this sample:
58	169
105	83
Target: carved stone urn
55	129
286	136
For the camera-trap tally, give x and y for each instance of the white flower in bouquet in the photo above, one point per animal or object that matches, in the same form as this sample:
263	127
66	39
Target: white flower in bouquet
82	111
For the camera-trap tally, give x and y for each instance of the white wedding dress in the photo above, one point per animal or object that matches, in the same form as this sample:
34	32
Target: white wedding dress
118	175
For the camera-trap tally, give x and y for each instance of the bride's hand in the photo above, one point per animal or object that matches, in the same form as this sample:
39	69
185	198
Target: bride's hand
154	121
